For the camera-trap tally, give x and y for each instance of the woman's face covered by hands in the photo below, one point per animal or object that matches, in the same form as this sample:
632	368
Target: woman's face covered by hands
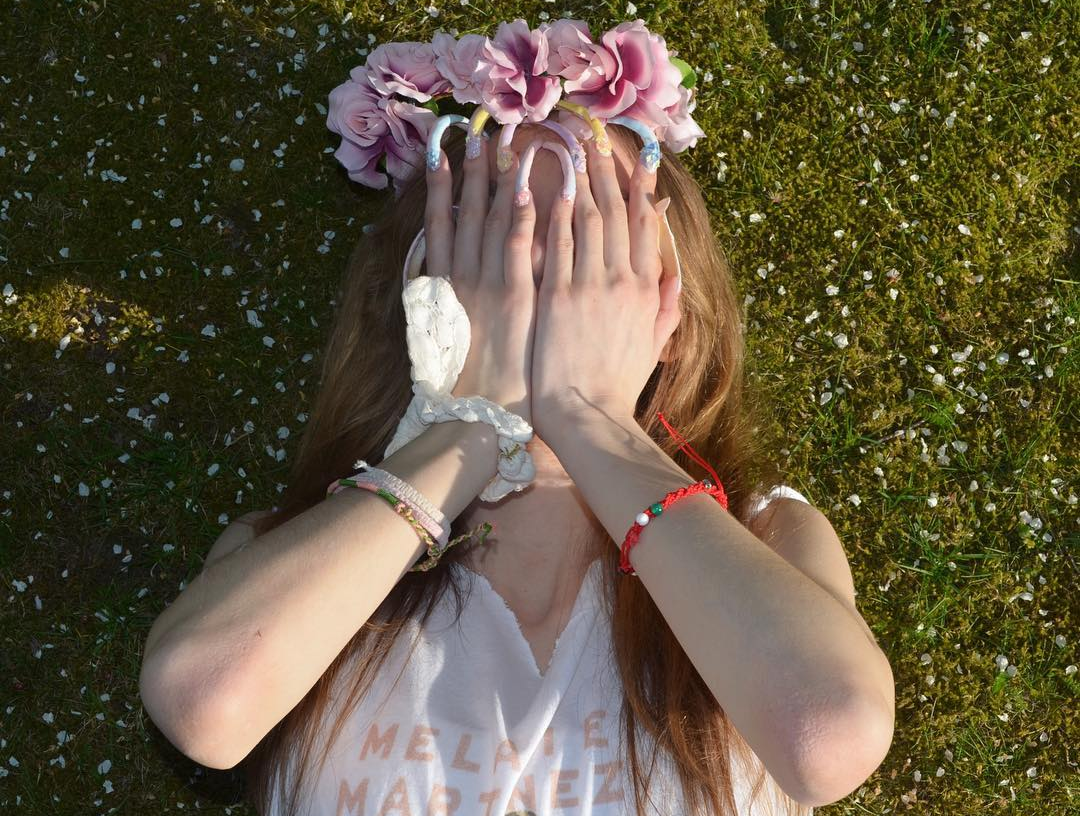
546	179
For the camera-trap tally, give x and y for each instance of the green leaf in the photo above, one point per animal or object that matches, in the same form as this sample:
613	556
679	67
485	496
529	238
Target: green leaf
689	78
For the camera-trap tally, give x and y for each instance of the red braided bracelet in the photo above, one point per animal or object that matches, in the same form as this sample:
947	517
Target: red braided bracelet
712	487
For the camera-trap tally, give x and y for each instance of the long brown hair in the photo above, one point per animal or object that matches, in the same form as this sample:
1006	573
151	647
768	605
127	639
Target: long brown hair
364	389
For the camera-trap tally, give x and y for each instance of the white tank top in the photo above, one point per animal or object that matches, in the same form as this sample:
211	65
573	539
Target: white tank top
475	728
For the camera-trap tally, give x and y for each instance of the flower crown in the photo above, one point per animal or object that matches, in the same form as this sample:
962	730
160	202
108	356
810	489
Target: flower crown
388	107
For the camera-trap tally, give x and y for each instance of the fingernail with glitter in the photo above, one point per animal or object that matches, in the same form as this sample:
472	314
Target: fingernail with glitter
504	159
603	144
434	160
472	146
649	157
522	197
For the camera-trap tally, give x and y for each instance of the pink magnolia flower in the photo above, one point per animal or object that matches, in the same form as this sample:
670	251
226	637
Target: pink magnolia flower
372	125
457	60
406	68
683	132
570	49
629	72
511	75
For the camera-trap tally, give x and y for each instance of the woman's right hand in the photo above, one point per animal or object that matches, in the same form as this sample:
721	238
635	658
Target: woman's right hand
488	258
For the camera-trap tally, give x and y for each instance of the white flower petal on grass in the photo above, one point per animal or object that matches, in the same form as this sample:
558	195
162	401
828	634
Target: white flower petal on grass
84	490
104	767
964	229
214	468
236	165
136	223
209	330
176	222
268	341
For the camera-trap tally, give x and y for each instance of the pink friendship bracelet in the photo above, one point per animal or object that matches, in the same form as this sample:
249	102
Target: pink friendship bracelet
432	519
373	485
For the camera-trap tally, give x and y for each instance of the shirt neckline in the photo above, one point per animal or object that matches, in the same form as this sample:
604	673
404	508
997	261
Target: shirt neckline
584	602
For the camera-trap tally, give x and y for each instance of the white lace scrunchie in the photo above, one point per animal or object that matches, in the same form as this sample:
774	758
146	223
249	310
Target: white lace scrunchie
438	335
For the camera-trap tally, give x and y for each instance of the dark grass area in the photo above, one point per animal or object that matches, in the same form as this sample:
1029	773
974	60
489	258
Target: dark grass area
895	184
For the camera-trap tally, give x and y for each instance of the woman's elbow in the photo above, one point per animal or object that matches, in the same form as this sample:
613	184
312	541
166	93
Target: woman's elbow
846	752
195	722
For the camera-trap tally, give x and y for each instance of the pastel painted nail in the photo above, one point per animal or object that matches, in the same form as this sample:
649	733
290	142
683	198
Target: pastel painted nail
434	143
649	156
522	194
476	133
504	157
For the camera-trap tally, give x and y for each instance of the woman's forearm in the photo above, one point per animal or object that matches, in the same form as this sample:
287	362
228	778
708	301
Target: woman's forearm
250	636
787	661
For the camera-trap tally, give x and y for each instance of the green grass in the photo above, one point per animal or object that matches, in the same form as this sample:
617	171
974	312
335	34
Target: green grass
953	494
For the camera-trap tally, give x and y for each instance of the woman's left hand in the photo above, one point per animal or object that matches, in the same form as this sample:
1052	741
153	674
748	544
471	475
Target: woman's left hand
606	306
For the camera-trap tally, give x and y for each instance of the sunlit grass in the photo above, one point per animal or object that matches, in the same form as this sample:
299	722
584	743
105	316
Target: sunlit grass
896	193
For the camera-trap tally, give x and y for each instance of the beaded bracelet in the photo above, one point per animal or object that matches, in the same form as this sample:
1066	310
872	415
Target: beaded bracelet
715	489
656	509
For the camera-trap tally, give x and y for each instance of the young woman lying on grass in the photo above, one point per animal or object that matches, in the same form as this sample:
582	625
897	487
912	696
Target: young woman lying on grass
311	650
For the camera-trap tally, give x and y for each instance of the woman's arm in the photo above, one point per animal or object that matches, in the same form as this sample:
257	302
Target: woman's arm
788	661
250	636
239	533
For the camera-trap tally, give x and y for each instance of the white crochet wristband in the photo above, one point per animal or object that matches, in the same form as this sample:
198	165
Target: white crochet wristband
515	468
438	335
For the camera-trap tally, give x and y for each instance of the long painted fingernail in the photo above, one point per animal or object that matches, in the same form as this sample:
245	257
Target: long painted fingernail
649	156
472	146
504	156
603	143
